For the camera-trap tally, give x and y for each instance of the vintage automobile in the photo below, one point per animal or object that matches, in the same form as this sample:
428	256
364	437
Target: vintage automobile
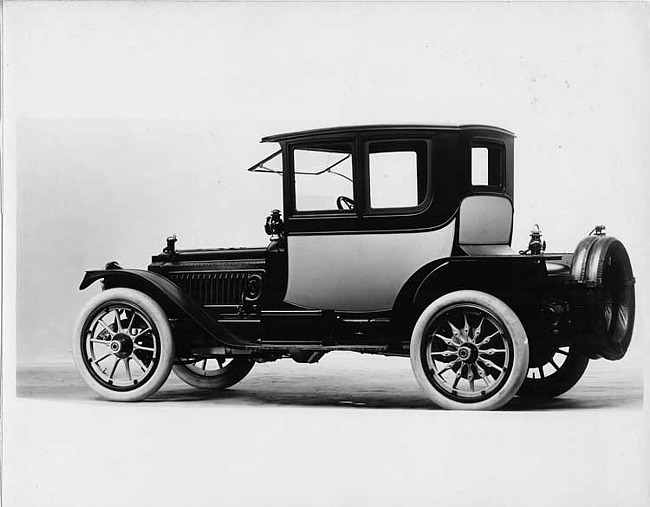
396	240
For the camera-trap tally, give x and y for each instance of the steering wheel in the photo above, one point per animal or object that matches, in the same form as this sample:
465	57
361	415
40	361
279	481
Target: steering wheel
344	203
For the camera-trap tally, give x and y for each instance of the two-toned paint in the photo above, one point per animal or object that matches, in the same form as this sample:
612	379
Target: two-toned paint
359	272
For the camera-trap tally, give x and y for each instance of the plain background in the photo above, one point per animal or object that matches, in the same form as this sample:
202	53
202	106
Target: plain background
126	122
135	121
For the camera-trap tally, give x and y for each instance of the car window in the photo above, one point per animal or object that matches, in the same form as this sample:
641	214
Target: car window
479	165
397	174
488	159
393	179
323	178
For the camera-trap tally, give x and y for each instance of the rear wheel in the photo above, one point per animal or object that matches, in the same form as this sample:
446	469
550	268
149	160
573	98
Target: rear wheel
214	373
554	373
469	351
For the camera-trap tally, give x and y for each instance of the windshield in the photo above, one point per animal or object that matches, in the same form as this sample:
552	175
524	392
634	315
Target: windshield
323	162
322	174
270	164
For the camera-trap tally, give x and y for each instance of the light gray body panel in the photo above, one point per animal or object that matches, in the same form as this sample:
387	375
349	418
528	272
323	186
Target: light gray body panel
359	272
485	220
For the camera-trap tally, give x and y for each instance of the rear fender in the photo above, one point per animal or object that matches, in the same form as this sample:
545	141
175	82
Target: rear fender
508	278
169	296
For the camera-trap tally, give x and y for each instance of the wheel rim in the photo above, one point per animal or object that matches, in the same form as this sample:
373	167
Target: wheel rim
121	346
549	365
467	353
210	366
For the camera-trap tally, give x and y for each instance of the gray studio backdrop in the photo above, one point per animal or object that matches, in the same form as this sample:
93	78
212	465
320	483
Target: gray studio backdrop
124	136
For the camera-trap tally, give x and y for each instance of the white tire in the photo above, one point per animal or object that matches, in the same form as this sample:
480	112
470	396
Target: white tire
469	351
122	345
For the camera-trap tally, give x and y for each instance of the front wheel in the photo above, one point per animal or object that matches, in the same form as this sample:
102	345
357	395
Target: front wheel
122	345
469	351
214	373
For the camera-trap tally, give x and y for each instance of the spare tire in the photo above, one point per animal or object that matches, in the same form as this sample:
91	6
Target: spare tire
581	258
603	265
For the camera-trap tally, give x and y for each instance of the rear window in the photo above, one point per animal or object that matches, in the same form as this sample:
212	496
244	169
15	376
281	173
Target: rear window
488	163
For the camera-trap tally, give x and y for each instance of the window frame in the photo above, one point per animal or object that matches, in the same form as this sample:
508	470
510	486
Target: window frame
428	172
489	143
291	190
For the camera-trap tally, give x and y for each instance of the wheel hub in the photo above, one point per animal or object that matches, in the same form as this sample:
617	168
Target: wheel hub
121	345
468	353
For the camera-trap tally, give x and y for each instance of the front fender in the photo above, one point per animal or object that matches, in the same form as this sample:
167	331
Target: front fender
169	295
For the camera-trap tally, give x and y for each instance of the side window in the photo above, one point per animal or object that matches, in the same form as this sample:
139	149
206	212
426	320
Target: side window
397	174
323	177
479	165
488	160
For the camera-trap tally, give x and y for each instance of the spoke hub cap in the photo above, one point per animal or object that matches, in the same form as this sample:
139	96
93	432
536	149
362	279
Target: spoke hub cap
121	345
468	353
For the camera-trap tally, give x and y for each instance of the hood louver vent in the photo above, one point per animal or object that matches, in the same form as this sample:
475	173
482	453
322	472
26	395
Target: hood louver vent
224	288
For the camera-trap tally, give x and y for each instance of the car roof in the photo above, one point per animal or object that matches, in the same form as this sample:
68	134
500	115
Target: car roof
364	129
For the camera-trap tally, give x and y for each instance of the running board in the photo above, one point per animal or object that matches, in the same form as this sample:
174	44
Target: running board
288	347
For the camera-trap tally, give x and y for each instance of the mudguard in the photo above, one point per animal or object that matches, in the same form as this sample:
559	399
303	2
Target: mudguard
169	295
493	274
506	277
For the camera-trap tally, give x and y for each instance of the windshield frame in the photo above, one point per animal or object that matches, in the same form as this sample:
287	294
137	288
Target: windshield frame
260	168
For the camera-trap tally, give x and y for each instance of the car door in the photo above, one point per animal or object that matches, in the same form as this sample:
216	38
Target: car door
357	226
